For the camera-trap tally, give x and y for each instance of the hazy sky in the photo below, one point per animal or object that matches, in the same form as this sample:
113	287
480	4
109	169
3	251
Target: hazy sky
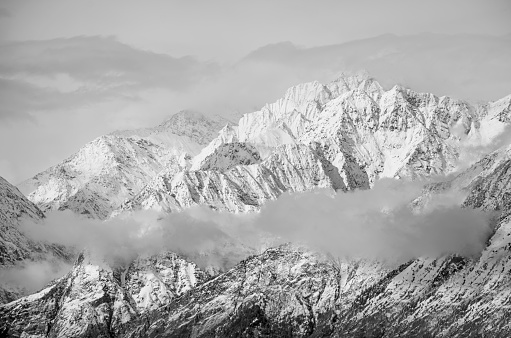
228	29
73	70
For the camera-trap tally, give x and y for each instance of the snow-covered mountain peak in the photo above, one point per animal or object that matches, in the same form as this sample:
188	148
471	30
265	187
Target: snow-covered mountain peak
366	133
114	167
197	126
360	81
350	132
186	131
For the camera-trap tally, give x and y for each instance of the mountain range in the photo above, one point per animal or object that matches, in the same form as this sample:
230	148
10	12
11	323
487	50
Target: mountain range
342	137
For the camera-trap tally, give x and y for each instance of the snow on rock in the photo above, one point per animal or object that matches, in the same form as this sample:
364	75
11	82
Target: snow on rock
153	281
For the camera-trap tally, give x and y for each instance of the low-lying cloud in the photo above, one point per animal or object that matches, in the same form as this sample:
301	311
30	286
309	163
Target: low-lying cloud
374	224
378	223
120	240
28	276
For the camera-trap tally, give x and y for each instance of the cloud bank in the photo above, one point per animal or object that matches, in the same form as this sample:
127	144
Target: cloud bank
374	224
120	240
378	223
62	74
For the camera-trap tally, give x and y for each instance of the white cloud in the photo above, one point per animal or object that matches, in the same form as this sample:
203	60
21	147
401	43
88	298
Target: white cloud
145	232
30	276
375	224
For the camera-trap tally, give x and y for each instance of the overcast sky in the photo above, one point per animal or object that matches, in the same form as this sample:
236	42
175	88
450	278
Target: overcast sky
73	70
